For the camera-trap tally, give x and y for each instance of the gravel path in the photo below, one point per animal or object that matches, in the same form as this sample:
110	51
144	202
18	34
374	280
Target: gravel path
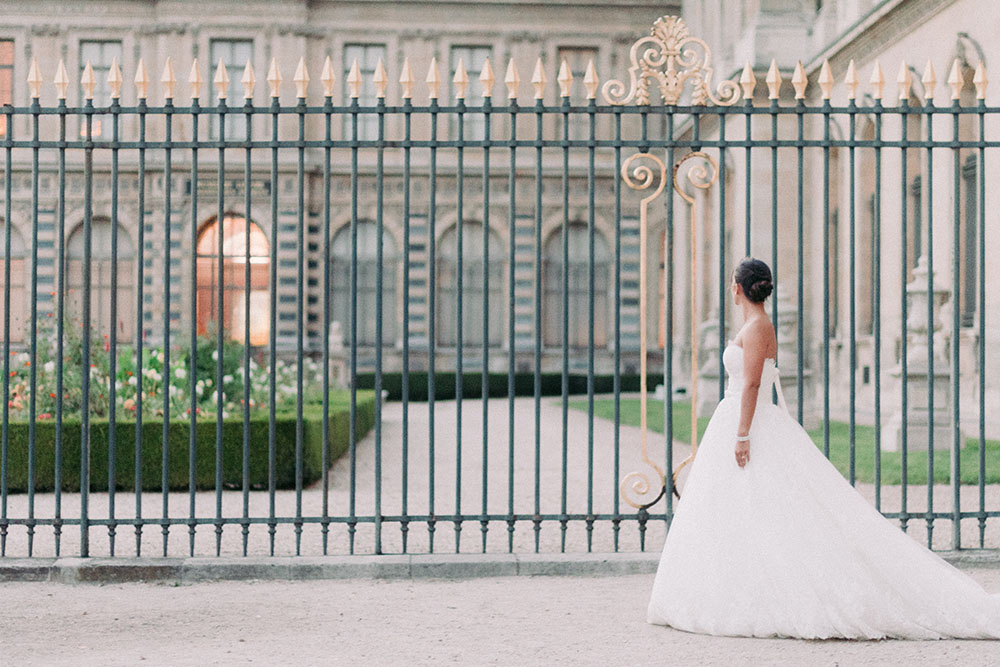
549	489
499	621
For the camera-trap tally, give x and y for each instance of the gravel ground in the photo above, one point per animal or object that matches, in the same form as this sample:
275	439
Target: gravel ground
497	621
446	498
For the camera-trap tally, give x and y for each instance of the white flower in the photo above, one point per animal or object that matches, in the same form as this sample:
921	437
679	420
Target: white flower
49	366
226	379
133	380
215	355
180	373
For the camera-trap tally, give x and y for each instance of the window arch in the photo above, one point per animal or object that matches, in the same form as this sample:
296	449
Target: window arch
101	263
367	285
472	286
17	259
578	273
232	316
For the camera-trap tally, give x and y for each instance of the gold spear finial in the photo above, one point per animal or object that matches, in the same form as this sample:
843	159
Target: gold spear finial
799	81
773	81
115	79
904	80
168	80
956	80
538	80
590	80
511	80
354	79
34	79
461	80
221	80
301	79
877	81
61	80
249	81
195	80
565	79
851	81
328	78
487	79
274	78
433	80
406	80
826	80
141	80
748	81
980	80
88	81
929	79
380	79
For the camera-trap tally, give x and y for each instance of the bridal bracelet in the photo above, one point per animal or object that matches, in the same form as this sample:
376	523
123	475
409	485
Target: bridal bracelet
743	438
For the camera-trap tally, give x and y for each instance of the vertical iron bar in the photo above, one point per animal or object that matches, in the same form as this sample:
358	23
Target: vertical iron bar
193	315
404	524
5	436
748	134
140	332
956	315
668	327
300	302
876	254
35	110
352	523
60	332
981	237
113	324
272	456
800	344
563	518
511	332
247	216
929	111
537	390
167	284
327	296
220	220
431	316
379	205
826	277
460	325
904	308
616	497
88	218
852	279
485	368
722	256
591	296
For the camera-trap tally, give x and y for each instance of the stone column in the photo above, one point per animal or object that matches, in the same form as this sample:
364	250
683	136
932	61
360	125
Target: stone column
788	347
708	371
918	377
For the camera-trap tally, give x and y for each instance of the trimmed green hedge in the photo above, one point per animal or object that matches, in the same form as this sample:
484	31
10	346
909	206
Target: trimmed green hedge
205	451
524	384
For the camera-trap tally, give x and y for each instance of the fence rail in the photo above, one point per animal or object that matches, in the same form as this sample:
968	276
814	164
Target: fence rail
283	252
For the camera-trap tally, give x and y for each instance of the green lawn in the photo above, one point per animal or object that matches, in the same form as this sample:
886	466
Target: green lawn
864	463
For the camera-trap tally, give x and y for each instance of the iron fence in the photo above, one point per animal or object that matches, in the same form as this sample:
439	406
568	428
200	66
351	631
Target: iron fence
214	300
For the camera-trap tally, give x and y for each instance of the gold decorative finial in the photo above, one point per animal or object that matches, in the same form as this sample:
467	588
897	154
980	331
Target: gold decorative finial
877	81
511	80
487	79
406	80
88	81
826	80
354	79
328	78
380	79
747	81
115	79
655	61
141	80
221	80
956	80
168	80
773	81
34	79
433	80
799	81
460	80
904	80
248	80
61	80
929	80
851	81
538	80
565	79
195	80
274	78
301	79
590	80
980	80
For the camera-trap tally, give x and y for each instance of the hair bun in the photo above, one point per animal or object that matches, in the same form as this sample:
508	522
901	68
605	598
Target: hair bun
760	290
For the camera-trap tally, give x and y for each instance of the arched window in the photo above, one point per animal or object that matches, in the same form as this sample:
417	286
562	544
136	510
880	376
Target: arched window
18	252
231	316
472	286
101	263
367	292
578	273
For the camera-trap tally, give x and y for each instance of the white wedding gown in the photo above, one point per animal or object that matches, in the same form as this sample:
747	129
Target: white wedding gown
786	547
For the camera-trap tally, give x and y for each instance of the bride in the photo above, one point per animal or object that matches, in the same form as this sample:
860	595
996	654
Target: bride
770	540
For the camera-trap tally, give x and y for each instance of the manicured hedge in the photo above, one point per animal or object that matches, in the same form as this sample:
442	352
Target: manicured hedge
205	450
524	384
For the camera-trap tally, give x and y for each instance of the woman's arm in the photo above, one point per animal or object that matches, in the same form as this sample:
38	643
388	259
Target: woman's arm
754	353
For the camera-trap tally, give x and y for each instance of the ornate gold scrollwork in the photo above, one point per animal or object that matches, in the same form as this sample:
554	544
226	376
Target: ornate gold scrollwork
671	58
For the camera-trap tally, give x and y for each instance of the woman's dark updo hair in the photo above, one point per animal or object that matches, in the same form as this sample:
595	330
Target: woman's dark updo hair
754	276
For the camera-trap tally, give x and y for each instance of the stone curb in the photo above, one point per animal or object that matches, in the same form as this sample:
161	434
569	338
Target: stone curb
304	568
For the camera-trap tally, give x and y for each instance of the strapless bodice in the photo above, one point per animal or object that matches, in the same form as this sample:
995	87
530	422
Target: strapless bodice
732	359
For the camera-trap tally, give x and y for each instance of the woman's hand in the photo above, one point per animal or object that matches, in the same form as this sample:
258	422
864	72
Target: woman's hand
742	452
